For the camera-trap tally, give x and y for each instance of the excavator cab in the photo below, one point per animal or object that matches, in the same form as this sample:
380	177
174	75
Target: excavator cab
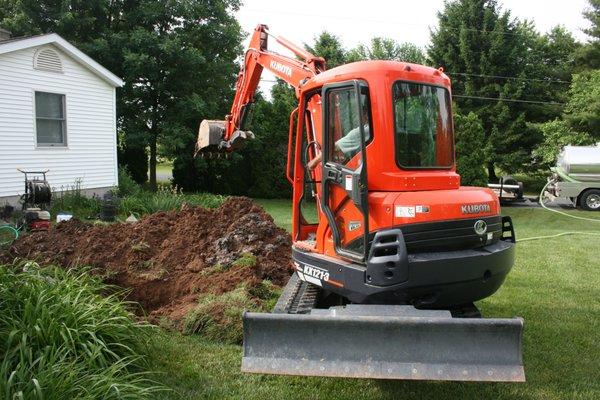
389	251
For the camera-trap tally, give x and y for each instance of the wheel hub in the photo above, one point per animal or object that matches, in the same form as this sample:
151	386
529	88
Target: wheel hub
593	201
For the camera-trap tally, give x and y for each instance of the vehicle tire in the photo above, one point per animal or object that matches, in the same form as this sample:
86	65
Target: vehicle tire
590	200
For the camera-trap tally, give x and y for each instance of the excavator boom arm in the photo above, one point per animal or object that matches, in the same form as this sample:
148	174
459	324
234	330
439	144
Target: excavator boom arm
222	135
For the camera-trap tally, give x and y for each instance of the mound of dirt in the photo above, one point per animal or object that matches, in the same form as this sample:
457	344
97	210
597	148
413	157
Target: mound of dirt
169	259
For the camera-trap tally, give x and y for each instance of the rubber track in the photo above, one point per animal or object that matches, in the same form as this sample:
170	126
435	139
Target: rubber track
298	297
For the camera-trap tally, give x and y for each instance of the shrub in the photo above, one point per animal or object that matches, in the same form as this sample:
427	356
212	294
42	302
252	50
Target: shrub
61	339
470	138
556	134
72	199
134	157
127	186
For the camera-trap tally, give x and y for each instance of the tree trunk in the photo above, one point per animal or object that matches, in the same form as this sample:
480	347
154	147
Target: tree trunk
153	162
491	172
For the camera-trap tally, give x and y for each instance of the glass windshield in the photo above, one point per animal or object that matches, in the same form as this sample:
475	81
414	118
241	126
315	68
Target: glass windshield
423	127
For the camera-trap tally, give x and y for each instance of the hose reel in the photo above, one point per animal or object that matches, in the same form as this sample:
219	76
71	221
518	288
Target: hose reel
38	192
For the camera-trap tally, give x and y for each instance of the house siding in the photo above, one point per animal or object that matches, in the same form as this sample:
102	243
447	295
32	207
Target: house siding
90	157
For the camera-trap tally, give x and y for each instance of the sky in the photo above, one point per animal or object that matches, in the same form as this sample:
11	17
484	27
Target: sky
357	21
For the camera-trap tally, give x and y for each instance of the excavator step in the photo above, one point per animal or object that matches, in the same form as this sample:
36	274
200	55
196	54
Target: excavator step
383	342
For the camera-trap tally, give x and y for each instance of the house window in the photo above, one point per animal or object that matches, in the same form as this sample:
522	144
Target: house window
50	121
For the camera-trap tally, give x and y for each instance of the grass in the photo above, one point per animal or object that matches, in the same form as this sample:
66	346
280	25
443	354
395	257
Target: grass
63	336
553	286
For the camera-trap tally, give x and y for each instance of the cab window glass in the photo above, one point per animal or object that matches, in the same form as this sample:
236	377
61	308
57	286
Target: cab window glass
423	128
344	120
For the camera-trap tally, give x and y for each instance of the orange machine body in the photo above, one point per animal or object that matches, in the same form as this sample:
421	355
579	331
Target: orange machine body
390	187
378	213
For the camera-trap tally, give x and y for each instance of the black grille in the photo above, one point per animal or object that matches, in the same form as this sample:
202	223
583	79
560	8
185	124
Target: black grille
450	235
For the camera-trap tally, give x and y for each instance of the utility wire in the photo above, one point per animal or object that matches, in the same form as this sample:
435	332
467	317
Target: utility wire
510	77
479	97
508	100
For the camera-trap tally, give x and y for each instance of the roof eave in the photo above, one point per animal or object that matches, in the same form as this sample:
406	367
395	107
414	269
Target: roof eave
74	52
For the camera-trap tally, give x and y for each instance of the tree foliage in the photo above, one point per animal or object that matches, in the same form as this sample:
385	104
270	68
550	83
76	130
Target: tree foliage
489	56
582	111
176	58
329	47
387	49
469	153
589	55
557	134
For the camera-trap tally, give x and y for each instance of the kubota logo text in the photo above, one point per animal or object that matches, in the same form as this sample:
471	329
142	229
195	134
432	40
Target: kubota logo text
284	69
475	208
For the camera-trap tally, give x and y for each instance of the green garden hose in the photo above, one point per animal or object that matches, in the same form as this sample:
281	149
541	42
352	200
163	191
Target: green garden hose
561	213
8	234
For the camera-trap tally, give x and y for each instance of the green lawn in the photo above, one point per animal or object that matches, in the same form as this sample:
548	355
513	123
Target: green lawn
554	287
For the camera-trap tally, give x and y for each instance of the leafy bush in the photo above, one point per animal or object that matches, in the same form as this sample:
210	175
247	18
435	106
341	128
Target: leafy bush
127	185
61	339
582	111
557	134
258	169
72	199
133	157
470	139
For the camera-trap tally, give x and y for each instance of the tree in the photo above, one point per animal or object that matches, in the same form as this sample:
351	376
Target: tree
387	49
589	55
268	158
557	134
177	60
469	153
582	112
479	47
580	123
179	70
329	47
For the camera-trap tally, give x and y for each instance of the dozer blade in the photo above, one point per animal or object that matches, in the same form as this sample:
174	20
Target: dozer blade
384	342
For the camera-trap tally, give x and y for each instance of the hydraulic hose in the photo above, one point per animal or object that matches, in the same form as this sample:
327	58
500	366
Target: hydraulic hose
562	213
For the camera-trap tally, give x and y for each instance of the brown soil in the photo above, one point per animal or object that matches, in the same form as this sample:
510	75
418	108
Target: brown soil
169	259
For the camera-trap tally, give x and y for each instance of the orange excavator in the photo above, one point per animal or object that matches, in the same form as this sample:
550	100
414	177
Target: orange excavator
389	250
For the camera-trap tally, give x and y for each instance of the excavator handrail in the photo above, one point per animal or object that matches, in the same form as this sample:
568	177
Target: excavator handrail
288	172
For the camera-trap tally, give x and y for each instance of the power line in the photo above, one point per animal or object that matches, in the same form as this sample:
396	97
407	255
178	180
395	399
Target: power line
510	77
554	103
508	100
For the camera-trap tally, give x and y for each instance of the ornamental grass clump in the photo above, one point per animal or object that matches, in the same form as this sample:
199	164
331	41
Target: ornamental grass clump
65	335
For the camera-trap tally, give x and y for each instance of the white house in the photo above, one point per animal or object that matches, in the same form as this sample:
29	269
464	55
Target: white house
57	112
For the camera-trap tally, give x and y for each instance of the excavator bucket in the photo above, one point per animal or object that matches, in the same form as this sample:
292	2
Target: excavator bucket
211	137
384	342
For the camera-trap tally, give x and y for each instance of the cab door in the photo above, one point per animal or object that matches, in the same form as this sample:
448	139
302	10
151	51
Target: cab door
346	130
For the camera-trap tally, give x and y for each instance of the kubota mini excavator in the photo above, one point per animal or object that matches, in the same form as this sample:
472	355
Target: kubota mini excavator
395	251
